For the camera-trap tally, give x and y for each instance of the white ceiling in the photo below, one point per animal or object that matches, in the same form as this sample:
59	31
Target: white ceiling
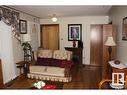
63	11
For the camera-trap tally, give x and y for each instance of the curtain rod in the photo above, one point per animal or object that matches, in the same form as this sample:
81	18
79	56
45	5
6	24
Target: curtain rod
18	10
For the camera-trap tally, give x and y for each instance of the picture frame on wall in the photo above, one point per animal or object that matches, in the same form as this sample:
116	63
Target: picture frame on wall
23	26
124	29
74	32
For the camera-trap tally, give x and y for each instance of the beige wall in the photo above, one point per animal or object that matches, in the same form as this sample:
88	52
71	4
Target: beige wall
86	21
11	50
117	14
17	48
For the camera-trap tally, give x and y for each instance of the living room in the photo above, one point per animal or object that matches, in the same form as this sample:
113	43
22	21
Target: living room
14	54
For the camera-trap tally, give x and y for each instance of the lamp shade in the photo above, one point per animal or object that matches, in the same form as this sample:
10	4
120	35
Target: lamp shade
26	38
110	42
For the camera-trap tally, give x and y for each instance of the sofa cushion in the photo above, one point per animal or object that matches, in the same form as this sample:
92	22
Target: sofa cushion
48	62
66	64
62	55
47	70
54	62
43	61
45	53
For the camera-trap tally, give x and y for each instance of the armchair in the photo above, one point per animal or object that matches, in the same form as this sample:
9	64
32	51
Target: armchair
102	84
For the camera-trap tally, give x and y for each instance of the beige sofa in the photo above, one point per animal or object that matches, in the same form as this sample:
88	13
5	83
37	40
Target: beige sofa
50	70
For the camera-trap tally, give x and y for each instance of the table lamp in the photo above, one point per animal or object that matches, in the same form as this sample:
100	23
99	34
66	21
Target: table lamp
110	42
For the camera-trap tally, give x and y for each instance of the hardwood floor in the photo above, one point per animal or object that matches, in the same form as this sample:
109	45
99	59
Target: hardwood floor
86	77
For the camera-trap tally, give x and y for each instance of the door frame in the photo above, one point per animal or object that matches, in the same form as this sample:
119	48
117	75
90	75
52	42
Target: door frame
41	26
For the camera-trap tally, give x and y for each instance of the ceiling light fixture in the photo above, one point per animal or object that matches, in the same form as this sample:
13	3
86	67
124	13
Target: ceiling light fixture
54	19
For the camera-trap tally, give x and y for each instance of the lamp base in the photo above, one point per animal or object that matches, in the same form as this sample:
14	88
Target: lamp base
109	51
27	52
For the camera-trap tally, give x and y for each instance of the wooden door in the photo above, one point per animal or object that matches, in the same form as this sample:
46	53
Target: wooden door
1	76
50	36
96	45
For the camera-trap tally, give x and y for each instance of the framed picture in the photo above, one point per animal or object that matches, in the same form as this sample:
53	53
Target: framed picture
23	26
124	31
74	32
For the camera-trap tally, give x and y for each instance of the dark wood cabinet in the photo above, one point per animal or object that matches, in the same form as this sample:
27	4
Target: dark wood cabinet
116	70
1	76
76	52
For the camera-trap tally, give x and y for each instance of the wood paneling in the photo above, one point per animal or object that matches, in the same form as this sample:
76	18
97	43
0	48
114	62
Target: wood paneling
50	36
108	30
1	76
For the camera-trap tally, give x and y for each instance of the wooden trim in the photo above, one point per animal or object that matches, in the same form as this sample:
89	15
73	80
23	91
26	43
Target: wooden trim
10	82
58	37
94	65
1	76
41	36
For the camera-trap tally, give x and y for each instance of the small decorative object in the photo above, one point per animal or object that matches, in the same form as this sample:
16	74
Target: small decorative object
74	32
74	43
117	62
23	26
39	84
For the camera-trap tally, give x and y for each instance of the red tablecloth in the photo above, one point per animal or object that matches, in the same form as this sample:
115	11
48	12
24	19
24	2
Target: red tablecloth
49	86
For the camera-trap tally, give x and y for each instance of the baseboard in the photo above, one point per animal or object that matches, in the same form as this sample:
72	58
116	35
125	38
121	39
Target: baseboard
92	65
10	82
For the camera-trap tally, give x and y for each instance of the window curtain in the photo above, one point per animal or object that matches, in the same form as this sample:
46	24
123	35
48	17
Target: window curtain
6	52
11	18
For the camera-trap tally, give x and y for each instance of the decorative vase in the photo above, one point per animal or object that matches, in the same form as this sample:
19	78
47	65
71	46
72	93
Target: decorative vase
74	43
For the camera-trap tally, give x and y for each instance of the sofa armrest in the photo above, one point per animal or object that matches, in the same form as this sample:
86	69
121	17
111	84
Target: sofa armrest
33	62
67	72
66	64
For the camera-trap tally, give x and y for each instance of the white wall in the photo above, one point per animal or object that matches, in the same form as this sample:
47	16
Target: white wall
86	21
10	48
17	48
116	16
33	30
6	52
